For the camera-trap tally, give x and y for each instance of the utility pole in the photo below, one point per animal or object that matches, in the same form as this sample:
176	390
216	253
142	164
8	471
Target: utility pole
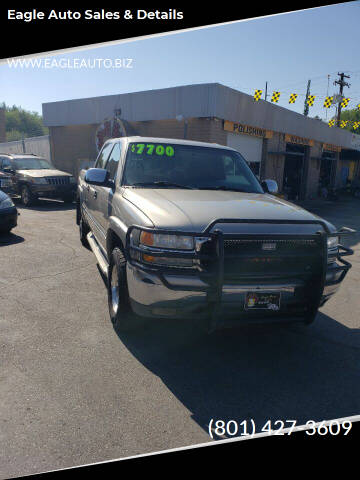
327	94
341	84
306	106
266	92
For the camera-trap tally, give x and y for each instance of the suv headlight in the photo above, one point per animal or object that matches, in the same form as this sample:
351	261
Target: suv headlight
156	242
7	203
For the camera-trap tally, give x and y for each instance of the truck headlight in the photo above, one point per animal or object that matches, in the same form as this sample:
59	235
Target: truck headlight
161	240
332	249
156	242
332	243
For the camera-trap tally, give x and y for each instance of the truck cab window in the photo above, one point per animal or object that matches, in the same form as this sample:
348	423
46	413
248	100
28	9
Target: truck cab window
113	161
103	155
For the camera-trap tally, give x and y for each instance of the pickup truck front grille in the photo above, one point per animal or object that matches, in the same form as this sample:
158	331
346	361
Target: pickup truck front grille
270	256
58	180
253	246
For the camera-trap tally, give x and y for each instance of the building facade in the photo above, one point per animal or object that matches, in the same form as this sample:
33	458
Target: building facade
302	154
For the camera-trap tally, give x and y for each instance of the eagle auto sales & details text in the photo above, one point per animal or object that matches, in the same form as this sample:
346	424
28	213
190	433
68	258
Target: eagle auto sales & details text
102	14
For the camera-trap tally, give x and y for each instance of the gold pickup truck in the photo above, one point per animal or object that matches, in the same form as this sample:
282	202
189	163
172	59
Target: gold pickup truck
185	229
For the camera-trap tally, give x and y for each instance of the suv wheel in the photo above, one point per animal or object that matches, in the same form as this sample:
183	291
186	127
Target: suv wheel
27	197
120	310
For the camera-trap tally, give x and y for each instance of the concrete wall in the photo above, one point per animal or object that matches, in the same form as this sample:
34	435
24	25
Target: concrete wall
73	147
36	145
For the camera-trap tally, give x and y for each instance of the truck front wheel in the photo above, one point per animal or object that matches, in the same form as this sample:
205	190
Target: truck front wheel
121	314
83	231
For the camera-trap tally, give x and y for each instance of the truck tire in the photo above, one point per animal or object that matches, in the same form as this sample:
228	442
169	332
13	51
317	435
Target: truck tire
27	197
121	314
311	319
83	231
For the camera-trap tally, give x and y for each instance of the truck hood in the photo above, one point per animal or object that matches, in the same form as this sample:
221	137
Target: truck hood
44	173
193	210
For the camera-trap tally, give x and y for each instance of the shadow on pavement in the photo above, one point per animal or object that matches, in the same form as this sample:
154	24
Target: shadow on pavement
10	239
46	205
258	372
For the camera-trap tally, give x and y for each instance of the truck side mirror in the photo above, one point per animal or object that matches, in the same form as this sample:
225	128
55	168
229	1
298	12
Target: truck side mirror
99	177
270	186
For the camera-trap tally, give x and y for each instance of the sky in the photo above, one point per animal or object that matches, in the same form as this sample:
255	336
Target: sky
285	50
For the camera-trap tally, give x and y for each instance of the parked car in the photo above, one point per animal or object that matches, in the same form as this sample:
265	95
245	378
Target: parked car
185	229
8	213
33	177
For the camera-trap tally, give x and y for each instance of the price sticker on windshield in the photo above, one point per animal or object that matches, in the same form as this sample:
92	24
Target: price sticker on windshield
153	149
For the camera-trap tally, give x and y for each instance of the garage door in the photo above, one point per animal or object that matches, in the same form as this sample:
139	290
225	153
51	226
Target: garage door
249	147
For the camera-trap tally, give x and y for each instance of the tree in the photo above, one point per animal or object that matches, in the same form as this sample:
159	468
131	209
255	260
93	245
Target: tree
352	116
13	135
22	123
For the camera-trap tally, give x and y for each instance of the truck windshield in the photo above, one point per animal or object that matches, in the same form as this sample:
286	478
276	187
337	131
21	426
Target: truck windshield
31	164
165	165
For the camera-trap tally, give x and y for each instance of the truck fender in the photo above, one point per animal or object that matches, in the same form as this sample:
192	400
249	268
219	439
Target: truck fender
117	227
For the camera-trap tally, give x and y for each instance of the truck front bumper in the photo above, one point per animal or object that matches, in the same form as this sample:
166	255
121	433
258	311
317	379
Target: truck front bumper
177	293
153	295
